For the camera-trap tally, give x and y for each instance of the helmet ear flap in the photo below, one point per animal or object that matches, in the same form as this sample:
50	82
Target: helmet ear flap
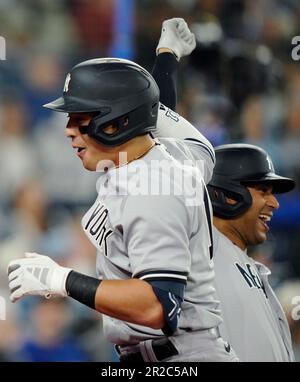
105	129
114	132
112	128
222	208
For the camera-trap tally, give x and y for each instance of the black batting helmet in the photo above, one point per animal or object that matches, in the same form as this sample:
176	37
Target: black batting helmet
119	91
239	166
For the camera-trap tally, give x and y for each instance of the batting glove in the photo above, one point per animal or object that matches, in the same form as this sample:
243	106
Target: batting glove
175	35
36	275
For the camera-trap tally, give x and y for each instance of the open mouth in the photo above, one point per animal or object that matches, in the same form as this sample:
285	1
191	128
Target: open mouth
80	151
265	219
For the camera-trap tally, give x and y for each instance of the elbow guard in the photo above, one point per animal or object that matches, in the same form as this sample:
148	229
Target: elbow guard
170	295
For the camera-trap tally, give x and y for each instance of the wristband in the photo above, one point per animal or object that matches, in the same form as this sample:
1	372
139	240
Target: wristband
82	288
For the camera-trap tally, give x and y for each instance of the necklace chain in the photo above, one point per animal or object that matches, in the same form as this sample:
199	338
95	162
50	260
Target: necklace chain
144	153
139	156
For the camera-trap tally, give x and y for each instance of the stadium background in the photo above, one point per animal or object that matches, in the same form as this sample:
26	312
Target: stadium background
240	84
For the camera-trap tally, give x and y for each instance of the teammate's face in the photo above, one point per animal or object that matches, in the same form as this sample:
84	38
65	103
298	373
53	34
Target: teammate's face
251	228
88	150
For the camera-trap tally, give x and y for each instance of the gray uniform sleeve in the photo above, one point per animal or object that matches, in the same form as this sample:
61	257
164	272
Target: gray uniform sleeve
172	125
156	232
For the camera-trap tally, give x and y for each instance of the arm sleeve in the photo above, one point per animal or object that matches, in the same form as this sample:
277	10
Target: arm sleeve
165	74
171	124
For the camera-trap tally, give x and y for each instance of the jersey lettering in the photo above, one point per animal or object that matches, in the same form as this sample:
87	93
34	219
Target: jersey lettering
251	277
171	114
96	226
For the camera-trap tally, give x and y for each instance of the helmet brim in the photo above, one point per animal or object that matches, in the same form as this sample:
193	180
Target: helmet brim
280	184
57	105
72	105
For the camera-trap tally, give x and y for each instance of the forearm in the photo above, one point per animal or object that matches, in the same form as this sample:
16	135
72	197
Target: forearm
130	300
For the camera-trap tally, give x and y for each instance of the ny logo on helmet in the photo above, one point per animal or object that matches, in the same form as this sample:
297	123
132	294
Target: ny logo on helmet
270	163
66	86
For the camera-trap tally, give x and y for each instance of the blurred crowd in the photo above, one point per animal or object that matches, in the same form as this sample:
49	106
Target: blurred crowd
239	85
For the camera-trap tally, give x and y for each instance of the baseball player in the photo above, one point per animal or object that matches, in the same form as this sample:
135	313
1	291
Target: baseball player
242	191
155	286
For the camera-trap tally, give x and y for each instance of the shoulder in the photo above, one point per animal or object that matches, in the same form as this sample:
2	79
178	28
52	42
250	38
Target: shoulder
221	241
166	114
190	136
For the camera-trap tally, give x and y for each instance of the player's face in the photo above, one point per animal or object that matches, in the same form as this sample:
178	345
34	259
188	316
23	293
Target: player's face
88	150
252	226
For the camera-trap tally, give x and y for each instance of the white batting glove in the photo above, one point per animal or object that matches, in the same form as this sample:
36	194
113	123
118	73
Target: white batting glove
36	275
175	35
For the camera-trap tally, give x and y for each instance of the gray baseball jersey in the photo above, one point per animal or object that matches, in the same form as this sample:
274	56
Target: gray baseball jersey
254	322
144	234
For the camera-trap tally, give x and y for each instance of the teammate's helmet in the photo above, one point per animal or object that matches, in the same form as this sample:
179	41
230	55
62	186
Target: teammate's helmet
119	91
239	166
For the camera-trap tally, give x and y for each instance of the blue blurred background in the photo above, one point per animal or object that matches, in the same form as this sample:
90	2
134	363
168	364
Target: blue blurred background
239	85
